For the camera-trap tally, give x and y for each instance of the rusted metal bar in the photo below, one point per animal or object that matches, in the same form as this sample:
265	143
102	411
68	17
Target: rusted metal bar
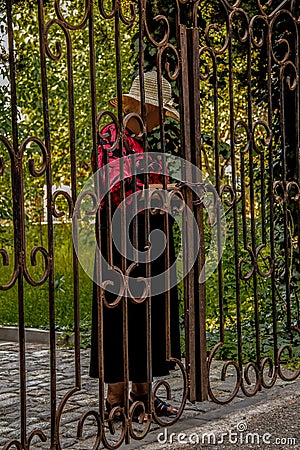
54	438
18	217
200	361
189	306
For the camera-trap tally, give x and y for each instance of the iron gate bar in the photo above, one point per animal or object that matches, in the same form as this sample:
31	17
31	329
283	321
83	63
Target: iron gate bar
45	100
200	382
189	310
18	223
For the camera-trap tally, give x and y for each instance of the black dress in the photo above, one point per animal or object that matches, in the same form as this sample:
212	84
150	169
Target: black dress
113	322
113	317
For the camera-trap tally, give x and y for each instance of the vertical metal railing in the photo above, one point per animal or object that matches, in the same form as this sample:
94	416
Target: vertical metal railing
259	198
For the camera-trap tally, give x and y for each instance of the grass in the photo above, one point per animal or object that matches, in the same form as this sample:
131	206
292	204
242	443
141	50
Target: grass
36	303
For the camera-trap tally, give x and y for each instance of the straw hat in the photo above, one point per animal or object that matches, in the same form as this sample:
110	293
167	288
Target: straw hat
151	94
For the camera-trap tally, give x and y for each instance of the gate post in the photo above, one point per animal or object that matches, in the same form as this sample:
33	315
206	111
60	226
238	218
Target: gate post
201	368
194	293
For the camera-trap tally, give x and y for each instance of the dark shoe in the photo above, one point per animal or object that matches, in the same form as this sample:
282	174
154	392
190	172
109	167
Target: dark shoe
164	409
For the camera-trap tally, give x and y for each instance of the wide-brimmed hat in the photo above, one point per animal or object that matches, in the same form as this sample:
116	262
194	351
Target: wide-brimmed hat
151	94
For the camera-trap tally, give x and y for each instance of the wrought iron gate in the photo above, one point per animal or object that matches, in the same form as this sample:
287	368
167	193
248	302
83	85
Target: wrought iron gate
234	68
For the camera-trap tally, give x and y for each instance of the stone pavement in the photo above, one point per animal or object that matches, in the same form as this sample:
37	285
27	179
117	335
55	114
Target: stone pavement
204	424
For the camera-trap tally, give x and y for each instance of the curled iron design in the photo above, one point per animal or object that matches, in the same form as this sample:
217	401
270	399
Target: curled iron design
294	10
117	411
107	15
266	258
252	267
17	444
216	28
246	378
205	71
255	265
245	381
225	367
140	280
231	202
171	198
264	5
242	30
257	32
272	373
14	276
115	122
164	23
58	46
83	195
68	25
80	426
164	52
167	386
9	146
228	189
139	121
129	22
229	6
159	197
292	185
283	192
33	261
266	139
117	9
39	433
13	443
281	42
286	348
4	255
291	79
67	196
15	163
60	411
141	407
32	169
239	138
122	289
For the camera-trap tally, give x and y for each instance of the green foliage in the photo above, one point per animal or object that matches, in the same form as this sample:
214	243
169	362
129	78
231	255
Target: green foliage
29	84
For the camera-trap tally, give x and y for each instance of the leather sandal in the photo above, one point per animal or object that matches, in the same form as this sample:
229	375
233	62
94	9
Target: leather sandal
161	408
164	409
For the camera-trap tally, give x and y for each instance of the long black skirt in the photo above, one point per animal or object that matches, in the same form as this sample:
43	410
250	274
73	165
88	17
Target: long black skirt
137	334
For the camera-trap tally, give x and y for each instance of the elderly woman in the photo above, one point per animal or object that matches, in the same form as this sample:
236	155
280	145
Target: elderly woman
113	317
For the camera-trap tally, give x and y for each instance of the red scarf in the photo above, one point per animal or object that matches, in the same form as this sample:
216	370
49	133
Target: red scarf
130	147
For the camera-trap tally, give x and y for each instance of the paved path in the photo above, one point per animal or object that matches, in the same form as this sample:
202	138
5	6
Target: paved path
200	418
